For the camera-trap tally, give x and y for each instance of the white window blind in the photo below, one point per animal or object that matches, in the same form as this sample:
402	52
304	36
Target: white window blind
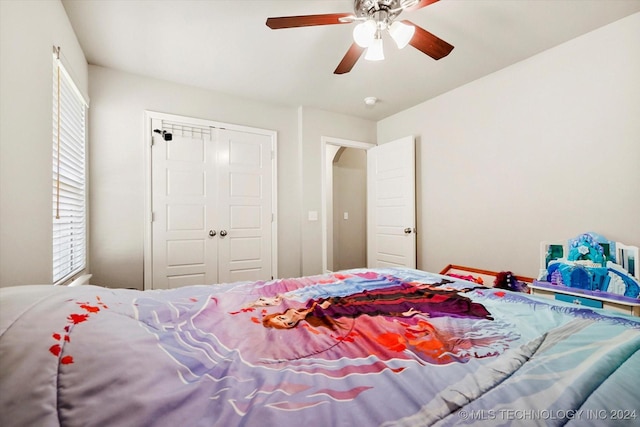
69	176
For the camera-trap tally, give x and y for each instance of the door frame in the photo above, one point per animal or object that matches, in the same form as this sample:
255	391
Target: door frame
326	218
148	214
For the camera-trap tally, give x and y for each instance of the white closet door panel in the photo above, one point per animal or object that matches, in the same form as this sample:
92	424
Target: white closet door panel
245	193
187	183
184	204
192	152
246	153
247	217
185	253
245	249
244	184
183	217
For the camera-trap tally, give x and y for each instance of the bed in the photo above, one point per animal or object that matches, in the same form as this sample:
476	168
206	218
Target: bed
365	347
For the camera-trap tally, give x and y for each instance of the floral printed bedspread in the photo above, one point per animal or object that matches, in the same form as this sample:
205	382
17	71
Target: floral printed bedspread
383	347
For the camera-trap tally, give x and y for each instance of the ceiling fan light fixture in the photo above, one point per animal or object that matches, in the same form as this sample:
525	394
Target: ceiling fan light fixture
365	32
372	19
401	33
375	51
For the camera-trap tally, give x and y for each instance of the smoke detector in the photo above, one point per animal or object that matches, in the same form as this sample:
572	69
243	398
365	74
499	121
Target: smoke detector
370	100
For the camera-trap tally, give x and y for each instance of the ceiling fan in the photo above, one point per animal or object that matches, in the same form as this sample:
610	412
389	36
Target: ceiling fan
374	17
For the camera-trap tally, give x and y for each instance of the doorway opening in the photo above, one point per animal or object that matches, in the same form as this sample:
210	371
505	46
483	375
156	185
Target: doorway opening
343	203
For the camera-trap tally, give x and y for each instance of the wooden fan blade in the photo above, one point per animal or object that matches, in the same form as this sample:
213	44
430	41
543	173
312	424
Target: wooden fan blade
429	44
420	5
350	58
308	20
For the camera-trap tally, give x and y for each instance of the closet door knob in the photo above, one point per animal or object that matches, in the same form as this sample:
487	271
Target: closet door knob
408	230
212	233
223	233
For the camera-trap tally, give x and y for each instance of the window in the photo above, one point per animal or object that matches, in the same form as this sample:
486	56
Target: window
69	176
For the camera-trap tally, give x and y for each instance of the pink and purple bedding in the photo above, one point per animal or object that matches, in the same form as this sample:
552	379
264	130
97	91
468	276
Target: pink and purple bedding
382	347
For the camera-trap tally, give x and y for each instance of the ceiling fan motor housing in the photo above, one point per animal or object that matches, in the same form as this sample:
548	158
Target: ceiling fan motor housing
370	8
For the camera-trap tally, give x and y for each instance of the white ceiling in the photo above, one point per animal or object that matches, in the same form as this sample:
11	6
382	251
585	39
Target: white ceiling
225	46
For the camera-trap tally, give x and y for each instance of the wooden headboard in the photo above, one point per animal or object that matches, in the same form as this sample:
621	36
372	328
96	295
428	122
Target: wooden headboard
488	276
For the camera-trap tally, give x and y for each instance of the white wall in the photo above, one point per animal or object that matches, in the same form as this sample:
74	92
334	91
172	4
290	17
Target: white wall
330	153
28	32
314	124
117	165
545	149
350	196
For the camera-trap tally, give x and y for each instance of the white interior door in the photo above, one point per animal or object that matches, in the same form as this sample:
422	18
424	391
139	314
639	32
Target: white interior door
211	203
184	186
391	205
244	171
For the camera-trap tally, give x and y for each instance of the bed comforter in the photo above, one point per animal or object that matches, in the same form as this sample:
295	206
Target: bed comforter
382	347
